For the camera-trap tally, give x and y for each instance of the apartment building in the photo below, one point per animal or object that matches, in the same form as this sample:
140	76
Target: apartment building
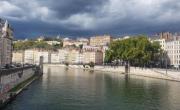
44	54
63	55
91	48
18	57
93	56
100	40
55	57
73	56
173	51
166	35
32	56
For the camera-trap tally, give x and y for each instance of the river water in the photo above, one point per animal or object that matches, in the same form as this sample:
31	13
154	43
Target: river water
75	89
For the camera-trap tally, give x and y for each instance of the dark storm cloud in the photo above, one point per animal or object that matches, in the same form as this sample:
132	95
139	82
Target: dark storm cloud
89	17
65	8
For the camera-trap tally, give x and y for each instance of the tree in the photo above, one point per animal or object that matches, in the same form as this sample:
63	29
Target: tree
23	45
42	45
108	56
137	50
56	46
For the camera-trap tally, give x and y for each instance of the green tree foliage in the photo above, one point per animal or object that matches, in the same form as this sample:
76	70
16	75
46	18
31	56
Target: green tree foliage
56	46
23	45
35	44
137	50
42	45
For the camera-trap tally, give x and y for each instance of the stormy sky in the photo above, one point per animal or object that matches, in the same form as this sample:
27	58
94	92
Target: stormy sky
81	18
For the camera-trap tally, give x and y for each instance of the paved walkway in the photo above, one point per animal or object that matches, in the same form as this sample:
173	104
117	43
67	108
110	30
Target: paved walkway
146	72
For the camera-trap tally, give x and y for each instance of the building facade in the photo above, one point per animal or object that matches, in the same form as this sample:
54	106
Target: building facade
173	51
18	57
166	35
63	55
55	57
93	56
100	40
73	56
44	54
6	37
32	56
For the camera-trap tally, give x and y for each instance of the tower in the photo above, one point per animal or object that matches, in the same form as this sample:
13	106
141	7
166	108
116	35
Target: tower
6	37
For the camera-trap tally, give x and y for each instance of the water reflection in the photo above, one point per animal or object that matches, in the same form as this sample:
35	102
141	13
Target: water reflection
76	89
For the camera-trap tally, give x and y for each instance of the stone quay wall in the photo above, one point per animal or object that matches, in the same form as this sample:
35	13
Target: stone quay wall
11	78
145	72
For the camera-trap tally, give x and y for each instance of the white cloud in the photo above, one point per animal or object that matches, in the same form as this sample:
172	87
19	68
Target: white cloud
83	21
7	9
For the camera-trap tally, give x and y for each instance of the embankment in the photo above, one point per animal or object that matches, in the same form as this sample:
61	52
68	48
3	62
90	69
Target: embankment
13	81
145	72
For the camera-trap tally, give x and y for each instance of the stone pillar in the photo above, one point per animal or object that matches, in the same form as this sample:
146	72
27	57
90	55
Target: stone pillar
127	68
41	64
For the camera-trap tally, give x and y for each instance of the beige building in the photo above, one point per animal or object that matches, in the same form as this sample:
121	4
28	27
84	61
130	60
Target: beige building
93	56
166	35
63	55
32	56
44	54
72	56
92	48
100	40
6	37
55	57
18	57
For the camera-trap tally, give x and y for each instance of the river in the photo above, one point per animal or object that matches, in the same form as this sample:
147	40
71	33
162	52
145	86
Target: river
76	89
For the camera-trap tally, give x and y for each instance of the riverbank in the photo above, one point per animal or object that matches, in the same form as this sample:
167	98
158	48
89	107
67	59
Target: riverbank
144	72
14	81
18	89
